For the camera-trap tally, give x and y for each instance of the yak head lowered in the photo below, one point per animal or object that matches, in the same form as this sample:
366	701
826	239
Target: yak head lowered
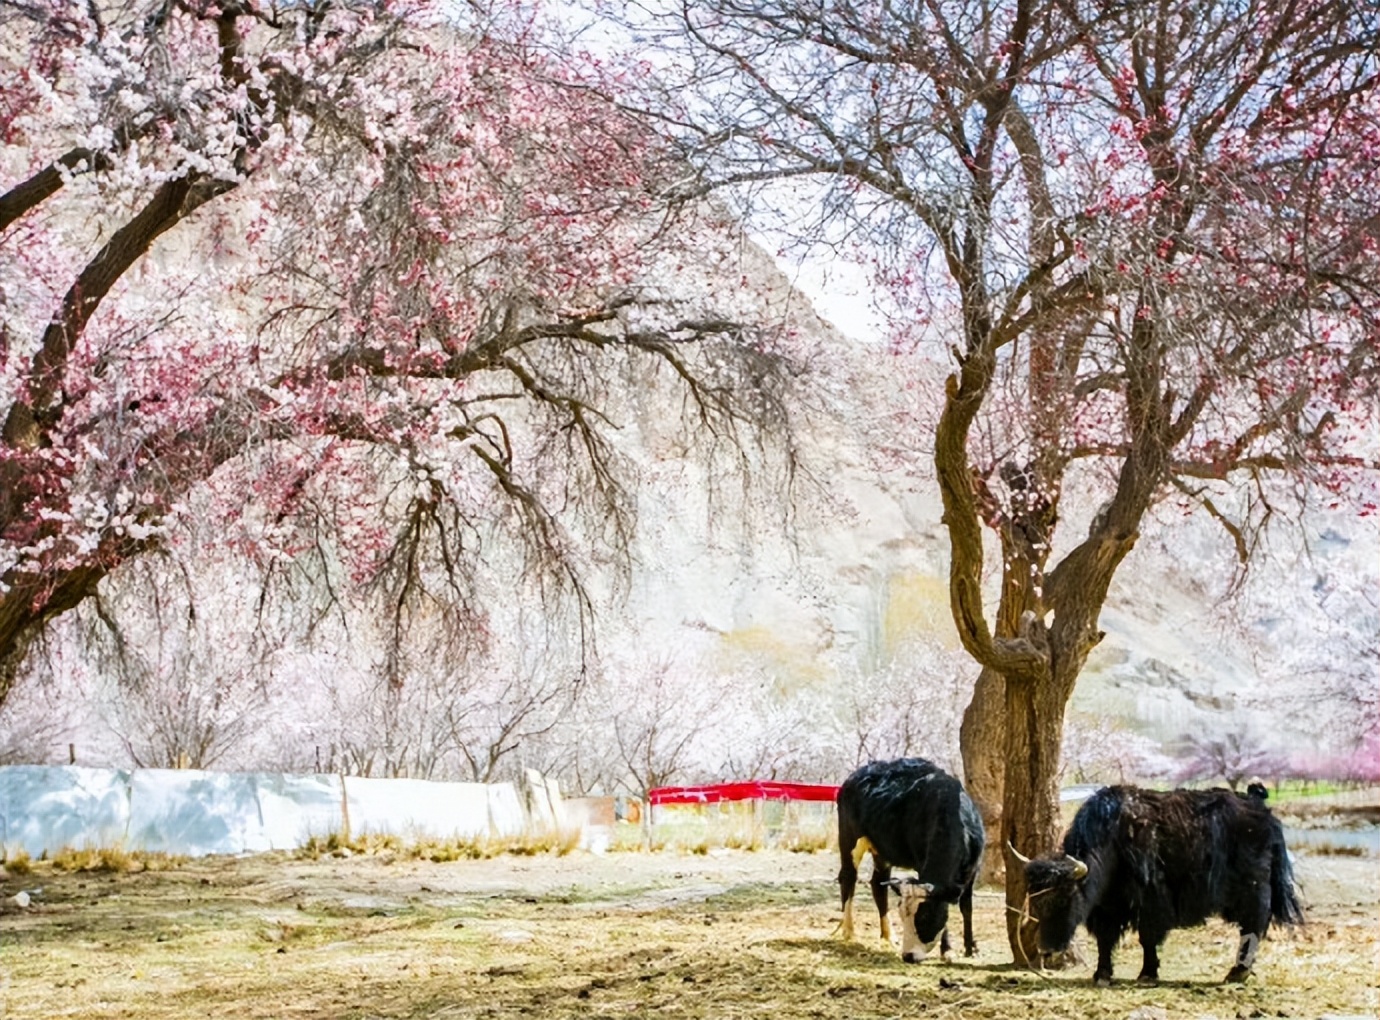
1057	897
923	917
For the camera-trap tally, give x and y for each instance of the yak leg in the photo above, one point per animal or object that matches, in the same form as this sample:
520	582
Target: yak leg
1150	947
881	893
1245	957
1253	928
1107	939
965	907
850	855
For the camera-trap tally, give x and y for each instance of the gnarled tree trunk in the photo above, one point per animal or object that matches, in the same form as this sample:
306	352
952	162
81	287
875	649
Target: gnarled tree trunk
982	743
1031	820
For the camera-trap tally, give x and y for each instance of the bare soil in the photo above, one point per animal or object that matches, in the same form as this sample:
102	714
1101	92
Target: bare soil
726	934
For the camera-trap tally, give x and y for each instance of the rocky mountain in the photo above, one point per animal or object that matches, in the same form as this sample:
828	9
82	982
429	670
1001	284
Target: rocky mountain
1282	653
832	569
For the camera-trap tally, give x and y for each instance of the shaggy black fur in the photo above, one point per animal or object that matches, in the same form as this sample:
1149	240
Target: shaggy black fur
914	815
1158	861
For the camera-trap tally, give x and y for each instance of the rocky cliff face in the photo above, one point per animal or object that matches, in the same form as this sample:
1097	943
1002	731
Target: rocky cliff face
1193	648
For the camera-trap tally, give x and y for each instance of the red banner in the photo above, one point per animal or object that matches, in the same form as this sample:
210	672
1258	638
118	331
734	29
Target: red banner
717	793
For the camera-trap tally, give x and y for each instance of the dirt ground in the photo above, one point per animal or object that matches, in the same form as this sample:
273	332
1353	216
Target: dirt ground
722	935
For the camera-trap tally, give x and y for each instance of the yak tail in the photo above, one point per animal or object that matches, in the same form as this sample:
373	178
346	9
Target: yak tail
1284	899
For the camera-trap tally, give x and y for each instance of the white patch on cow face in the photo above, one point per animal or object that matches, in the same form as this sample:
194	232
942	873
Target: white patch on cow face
913	893
912	949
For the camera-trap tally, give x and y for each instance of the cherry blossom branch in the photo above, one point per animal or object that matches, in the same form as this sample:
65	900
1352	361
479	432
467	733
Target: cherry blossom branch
31	193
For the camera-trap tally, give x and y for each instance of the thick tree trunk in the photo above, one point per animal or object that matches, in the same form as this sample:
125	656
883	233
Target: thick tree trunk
1031	819
982	743
1035	704
1023	531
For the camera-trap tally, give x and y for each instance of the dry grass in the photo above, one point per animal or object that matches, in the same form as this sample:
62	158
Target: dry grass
112	860
438	851
91	859
723	934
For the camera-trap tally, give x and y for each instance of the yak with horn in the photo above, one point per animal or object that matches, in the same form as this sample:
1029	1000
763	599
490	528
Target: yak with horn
1150	861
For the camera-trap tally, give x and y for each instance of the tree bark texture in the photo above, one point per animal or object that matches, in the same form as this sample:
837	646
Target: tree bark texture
1030	819
982	744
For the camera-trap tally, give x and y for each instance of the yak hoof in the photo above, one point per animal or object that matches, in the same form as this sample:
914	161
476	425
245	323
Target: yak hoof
1238	974
970	950
1149	980
1102	980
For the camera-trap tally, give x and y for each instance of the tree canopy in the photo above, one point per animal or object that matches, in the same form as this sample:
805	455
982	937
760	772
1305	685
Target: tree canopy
363	278
1141	237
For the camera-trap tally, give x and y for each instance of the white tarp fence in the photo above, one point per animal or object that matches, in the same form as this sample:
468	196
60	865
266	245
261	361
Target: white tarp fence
186	811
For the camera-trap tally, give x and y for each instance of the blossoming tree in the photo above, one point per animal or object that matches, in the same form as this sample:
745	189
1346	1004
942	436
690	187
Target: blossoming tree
1141	235
363	279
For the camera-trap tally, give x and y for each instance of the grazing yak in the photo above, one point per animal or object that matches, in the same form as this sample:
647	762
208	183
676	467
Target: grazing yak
1154	861
910	813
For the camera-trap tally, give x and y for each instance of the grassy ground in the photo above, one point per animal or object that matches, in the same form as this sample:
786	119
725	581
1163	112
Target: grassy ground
722	935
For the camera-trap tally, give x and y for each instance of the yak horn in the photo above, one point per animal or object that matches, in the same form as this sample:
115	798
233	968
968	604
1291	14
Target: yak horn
1080	870
1019	856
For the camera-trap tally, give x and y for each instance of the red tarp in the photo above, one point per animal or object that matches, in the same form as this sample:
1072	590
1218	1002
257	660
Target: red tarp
762	790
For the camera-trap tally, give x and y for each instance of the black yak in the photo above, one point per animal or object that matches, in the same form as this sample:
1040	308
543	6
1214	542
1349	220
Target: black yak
910	813
1155	861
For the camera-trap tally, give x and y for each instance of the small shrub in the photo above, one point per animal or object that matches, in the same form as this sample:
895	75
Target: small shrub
98	859
807	843
376	843
314	847
1329	849
18	863
627	838
740	840
440	851
558	842
157	861
554	841
113	860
